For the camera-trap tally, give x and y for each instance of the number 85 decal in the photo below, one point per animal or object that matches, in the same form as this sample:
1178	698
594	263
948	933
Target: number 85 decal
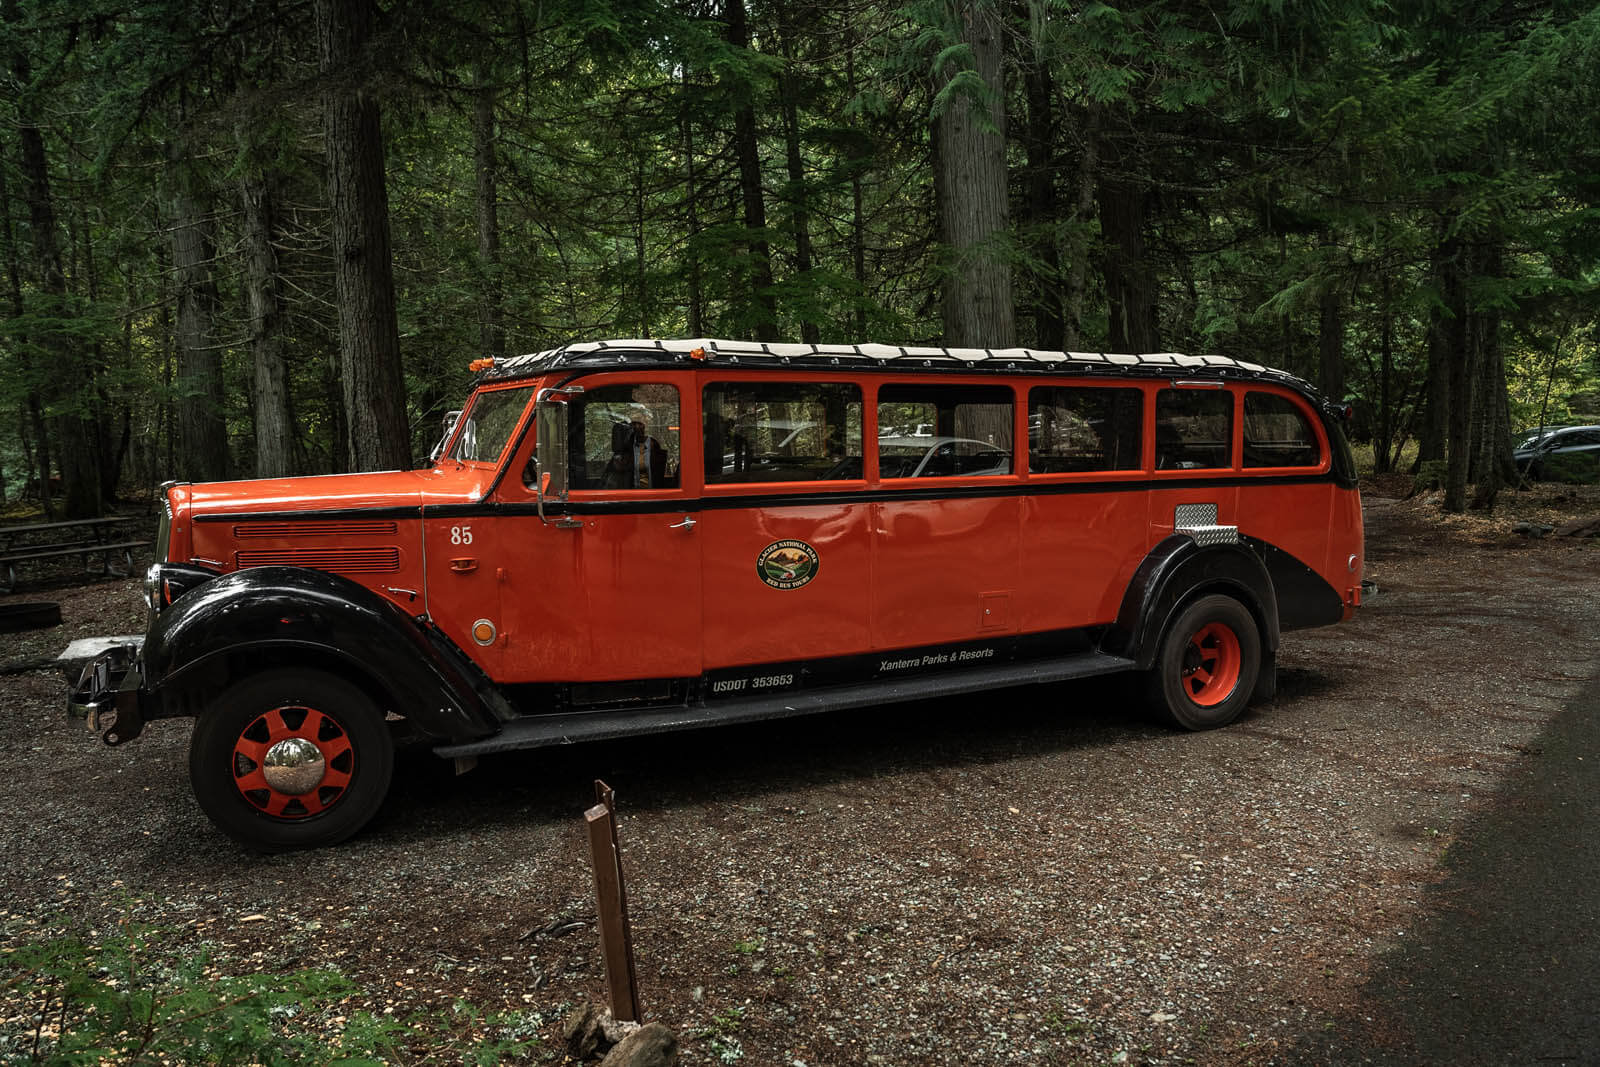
461	535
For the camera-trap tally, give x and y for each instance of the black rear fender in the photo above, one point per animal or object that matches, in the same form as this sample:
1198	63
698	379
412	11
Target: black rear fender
268	617
1177	571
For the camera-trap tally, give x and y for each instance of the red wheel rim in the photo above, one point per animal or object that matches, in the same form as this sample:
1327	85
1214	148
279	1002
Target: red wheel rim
291	723
1211	664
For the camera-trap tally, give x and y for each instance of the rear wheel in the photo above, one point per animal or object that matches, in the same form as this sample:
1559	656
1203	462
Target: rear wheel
1208	664
291	759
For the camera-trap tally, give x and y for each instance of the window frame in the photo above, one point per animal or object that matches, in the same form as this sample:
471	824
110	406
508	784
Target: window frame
706	380
1145	433
1318	432
1018	434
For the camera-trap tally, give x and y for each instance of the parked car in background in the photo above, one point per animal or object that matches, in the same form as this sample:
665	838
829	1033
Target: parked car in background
1560	454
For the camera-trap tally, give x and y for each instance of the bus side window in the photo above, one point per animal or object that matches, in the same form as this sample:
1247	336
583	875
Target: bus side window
782	431
942	431
1079	428
1194	429
1277	433
625	437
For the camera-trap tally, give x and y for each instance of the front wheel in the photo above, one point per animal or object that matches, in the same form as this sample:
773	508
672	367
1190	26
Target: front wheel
291	759
1207	666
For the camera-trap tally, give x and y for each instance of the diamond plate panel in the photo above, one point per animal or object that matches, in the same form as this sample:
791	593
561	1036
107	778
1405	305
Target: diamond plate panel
1187	515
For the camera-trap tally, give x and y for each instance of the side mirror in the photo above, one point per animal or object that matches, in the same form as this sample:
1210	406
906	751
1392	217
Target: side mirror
450	419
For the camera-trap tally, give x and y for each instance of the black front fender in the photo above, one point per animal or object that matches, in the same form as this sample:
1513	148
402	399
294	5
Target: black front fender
282	615
1174	572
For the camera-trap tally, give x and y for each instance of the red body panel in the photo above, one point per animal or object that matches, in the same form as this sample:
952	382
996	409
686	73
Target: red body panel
665	582
748	621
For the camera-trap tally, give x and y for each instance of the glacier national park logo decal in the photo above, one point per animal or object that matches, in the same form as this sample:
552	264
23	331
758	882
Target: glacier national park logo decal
787	564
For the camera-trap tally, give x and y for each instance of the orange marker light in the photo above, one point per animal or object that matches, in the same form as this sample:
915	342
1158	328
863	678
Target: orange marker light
482	364
483	631
697	353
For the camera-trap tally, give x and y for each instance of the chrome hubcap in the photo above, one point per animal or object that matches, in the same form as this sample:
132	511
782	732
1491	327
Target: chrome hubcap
294	766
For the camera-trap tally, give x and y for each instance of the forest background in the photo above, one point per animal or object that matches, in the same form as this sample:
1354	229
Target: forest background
267	238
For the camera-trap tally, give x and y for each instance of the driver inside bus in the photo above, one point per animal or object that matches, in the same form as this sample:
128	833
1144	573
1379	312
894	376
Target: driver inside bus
638	461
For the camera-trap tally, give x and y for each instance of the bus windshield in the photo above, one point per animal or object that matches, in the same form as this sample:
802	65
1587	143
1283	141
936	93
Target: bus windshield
487	425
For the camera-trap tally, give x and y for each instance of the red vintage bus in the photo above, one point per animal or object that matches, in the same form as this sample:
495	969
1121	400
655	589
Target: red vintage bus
626	537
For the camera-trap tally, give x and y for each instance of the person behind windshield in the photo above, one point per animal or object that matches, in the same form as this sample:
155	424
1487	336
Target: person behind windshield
638	460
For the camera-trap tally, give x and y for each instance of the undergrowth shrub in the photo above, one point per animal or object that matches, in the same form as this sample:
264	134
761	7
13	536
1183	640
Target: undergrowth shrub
130	998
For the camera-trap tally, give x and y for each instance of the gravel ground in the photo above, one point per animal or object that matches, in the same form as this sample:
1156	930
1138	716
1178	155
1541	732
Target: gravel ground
1032	877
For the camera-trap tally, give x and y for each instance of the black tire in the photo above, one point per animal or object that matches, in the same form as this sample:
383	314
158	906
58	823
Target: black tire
343	723
1208	665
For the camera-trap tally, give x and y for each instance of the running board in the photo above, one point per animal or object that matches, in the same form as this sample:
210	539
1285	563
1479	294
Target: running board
539	731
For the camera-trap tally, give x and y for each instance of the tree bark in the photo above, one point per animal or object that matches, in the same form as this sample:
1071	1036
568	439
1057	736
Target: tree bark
747	152
32	414
491	331
858	223
1460	367
202	429
1130	283
64	383
1383	460
369	337
265	327
1436	403
973	207
1082	210
692	246
796	193
1049	325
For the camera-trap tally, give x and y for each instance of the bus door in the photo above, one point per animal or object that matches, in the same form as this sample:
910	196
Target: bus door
611	588
785	534
945	541
1085	518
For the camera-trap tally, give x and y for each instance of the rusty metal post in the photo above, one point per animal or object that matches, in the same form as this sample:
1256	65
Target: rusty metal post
611	900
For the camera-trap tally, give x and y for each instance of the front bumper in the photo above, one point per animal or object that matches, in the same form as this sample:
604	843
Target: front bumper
107	695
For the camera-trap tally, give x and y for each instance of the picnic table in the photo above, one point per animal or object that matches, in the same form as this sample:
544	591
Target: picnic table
104	538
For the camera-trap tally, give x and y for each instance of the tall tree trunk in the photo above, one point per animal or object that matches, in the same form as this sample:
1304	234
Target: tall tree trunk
692	245
1082	211
1492	461
109	440
858	223
1436	402
202	429
274	431
1049	326
1330	364
1130	283
1383	459
1459	349
747	151
491	331
973	207
796	193
369	336
641	265
32	413
66	383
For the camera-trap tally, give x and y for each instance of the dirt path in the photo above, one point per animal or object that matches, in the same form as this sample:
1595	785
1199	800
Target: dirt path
1033	877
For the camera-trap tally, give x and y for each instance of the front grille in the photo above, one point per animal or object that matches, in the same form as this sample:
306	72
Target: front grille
344	560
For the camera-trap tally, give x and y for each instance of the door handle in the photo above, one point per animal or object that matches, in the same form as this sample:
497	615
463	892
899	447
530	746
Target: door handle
686	524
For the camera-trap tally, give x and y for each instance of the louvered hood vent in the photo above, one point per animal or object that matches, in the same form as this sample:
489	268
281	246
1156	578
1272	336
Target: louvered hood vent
319	528
344	560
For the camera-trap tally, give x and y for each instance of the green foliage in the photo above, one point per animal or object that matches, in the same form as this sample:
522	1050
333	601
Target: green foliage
129	999
1282	156
132	997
